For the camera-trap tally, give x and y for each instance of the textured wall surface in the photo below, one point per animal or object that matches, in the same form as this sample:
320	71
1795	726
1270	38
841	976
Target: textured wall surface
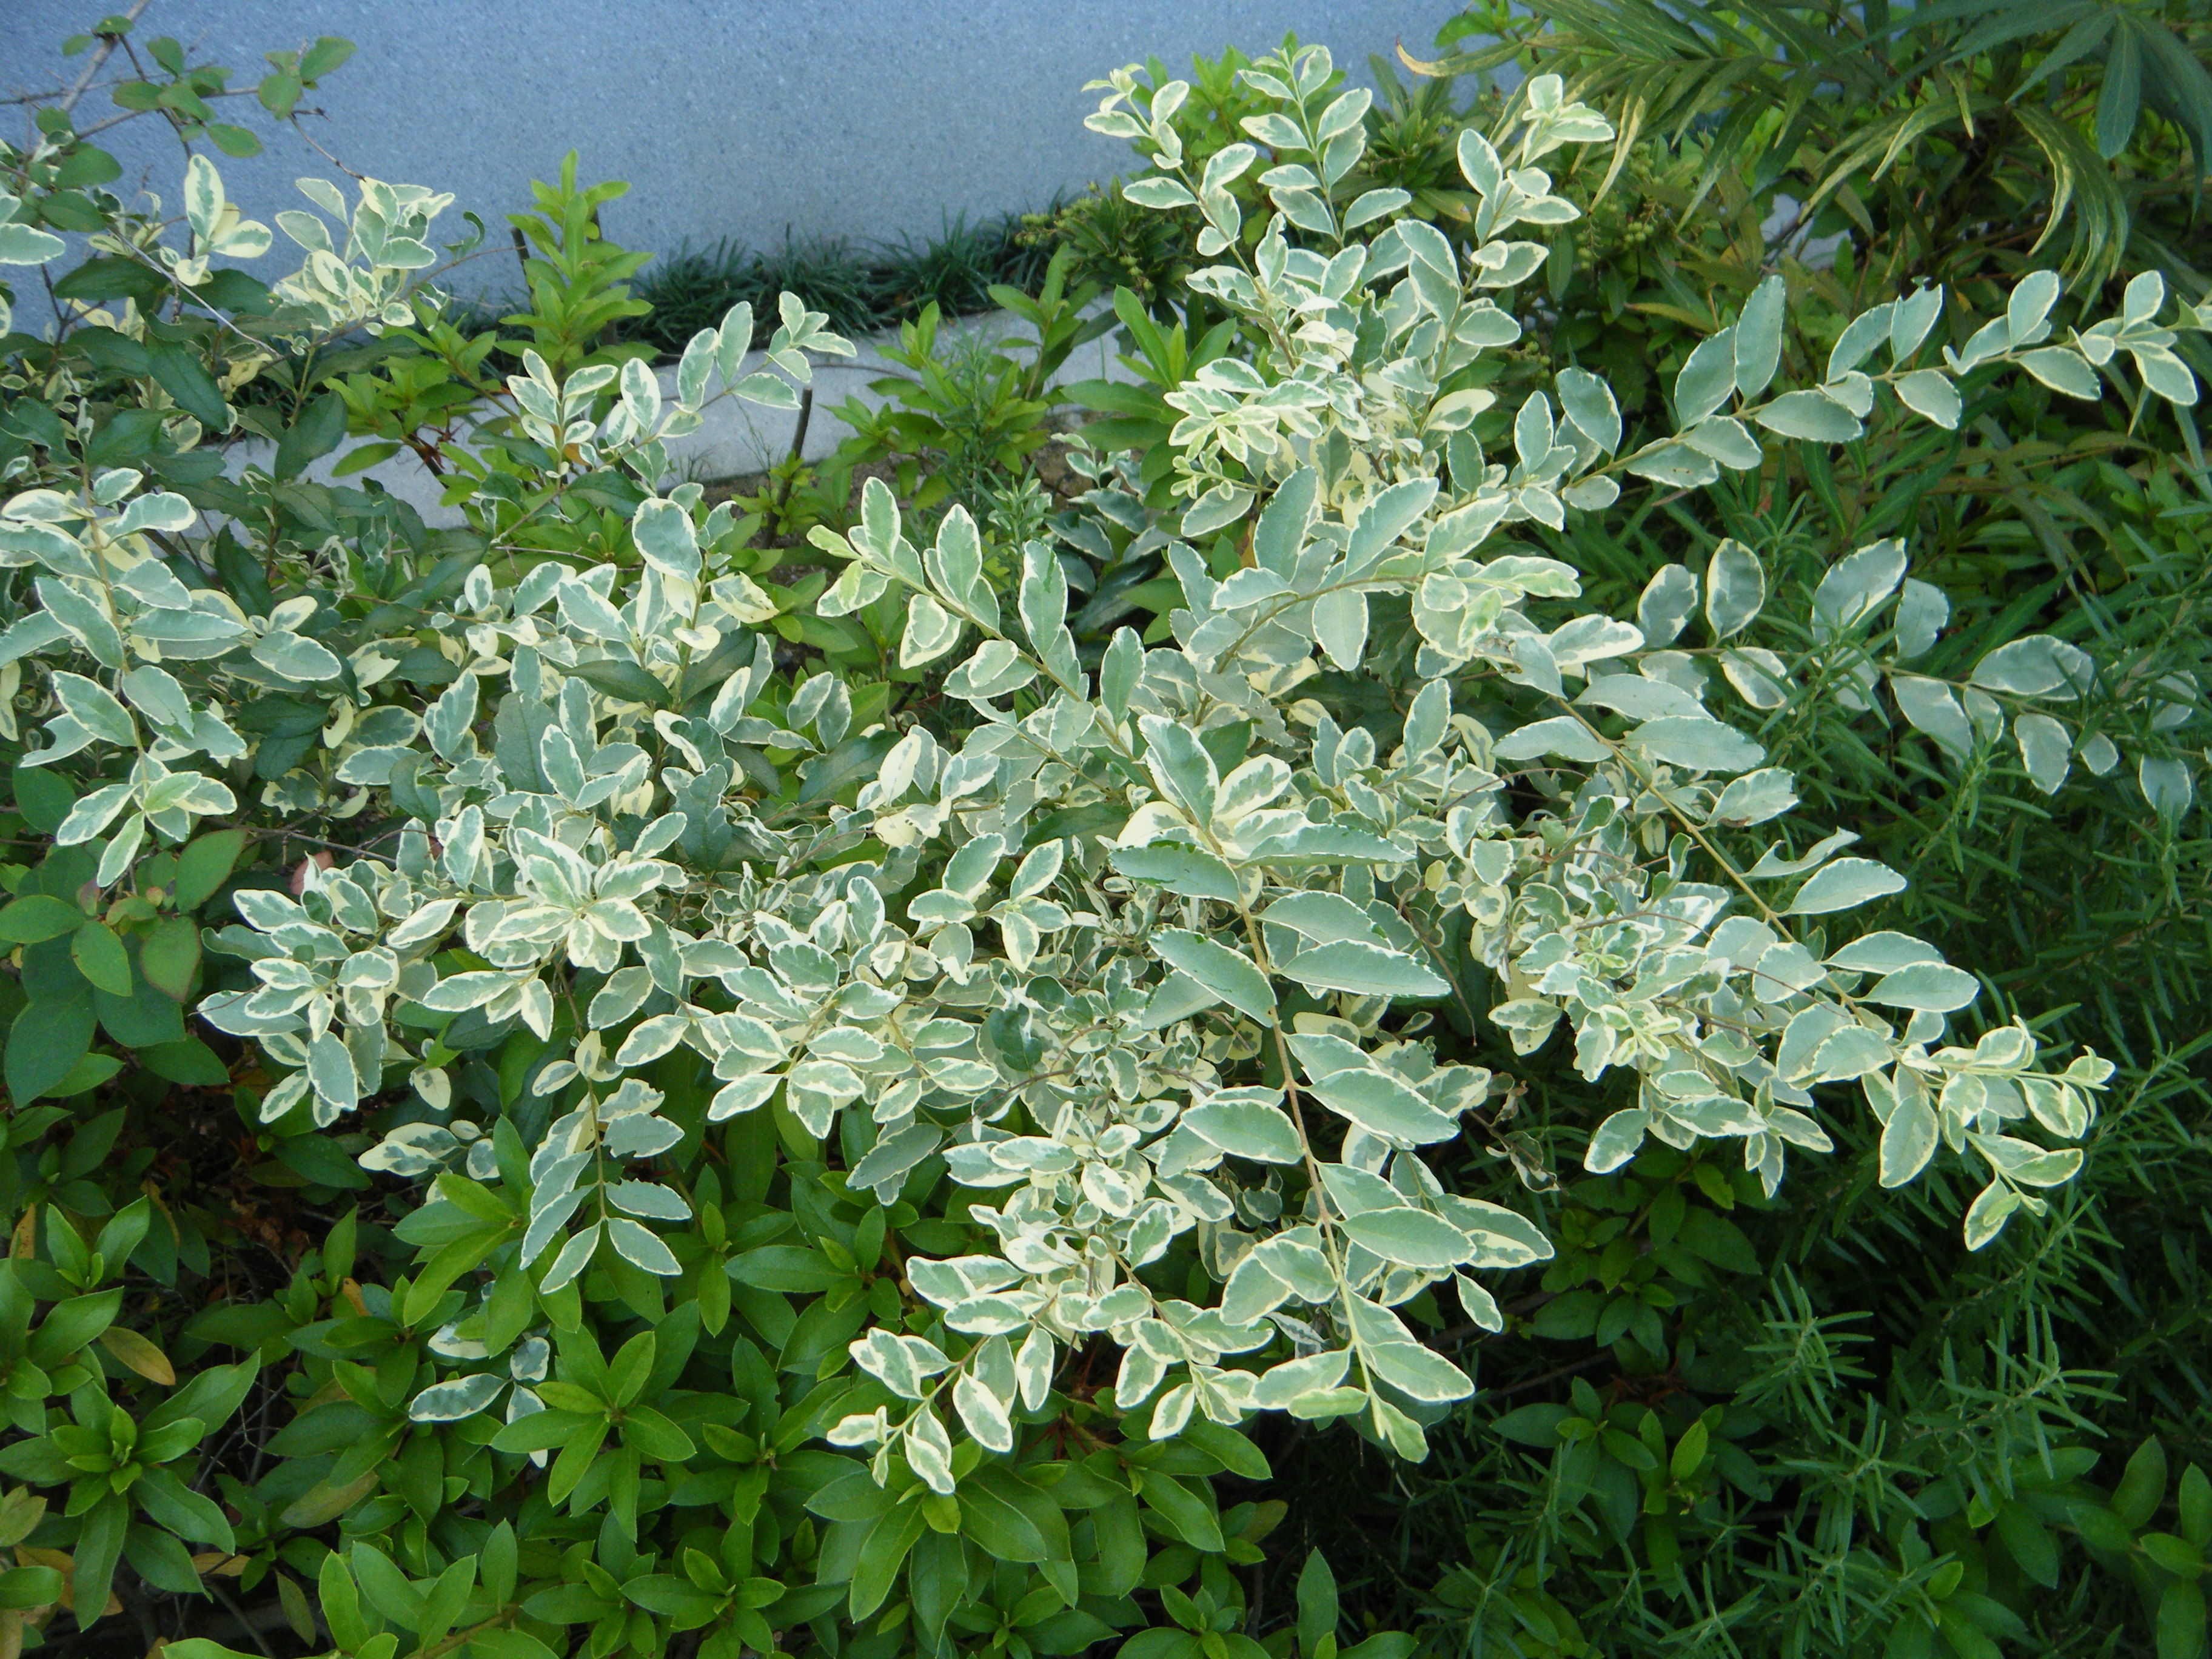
868	119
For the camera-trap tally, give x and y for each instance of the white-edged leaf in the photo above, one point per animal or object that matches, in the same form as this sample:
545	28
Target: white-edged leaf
1245	1128
456	1398
1928	393
1408	1236
1843	885
2045	750
1935	986
1736	588
983	1413
1908	1139
1228	974
641	1248
1372	970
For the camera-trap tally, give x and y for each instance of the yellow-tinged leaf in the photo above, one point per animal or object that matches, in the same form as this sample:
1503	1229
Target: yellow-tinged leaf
20	1512
325	1503
140	1355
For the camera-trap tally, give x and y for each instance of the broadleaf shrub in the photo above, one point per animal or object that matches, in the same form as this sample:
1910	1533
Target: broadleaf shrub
850	1164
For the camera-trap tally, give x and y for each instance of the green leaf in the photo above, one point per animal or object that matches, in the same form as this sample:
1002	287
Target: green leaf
626	680
180	373
2194	1496
321	428
37	917
24	1588
2029	1542
204	865
386	1589
1189	1517
882	1553
1715	1239
326	54
43	798
44	1045
1535	1426
233	140
2181	1620
1317	1603
100	957
68	1325
790	1268
2119	101
190	1062
98	1548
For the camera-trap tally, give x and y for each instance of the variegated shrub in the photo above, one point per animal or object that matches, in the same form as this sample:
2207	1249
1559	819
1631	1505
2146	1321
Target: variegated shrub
1151	971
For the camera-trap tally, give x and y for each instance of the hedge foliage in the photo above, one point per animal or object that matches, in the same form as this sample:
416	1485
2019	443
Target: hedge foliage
1533	985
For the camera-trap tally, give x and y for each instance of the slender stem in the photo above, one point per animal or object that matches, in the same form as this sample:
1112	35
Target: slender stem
107	44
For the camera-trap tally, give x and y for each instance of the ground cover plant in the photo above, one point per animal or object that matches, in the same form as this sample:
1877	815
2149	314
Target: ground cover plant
571	1093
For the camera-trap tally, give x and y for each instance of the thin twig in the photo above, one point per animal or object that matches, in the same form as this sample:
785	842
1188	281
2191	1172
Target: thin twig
239	1613
107	46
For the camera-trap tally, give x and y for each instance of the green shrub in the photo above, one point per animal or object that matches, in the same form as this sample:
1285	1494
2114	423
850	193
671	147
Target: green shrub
867	1150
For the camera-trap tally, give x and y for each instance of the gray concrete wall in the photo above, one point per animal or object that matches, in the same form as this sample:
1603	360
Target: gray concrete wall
867	119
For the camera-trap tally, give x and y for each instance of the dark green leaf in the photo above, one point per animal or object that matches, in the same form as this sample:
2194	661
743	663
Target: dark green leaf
39	916
44	1045
625	680
319	430
184	377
